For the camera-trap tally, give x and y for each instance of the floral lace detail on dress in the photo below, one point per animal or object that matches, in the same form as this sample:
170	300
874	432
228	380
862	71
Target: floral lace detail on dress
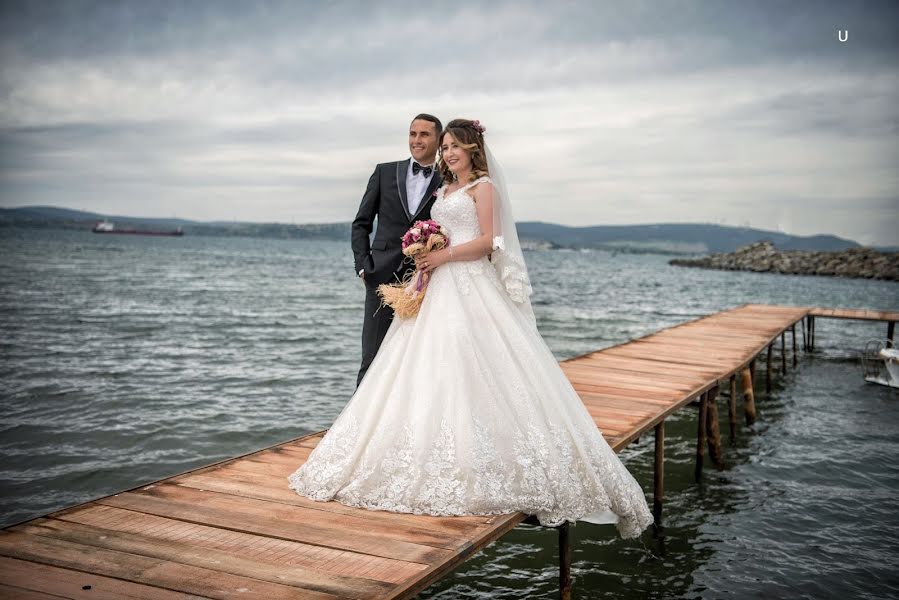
545	477
513	274
458	213
320	480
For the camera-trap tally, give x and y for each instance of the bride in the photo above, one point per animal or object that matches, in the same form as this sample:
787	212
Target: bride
464	410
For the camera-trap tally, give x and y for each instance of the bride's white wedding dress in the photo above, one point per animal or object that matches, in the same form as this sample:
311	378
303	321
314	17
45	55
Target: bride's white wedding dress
465	411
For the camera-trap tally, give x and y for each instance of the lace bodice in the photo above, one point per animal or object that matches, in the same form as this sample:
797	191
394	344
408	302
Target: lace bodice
458	213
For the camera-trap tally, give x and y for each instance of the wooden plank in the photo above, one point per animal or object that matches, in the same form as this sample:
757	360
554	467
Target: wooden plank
577	377
622	406
605	373
645	367
705	338
623	391
286	522
57	582
176	547
627	401
616	420
310	442
257	548
148	571
630	350
699	351
9	592
246	484
859	314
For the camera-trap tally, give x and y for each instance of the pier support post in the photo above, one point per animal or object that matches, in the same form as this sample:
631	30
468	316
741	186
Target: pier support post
768	369
891	329
713	428
783	352
700	435
793	330
811	334
748	397
658	478
804	337
732	409
564	562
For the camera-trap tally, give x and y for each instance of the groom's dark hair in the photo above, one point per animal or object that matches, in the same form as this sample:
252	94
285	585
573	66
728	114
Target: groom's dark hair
432	119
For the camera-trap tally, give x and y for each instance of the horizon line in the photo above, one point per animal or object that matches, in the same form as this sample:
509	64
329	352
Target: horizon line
727	225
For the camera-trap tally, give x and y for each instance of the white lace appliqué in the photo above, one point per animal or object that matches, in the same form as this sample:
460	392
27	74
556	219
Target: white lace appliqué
538	471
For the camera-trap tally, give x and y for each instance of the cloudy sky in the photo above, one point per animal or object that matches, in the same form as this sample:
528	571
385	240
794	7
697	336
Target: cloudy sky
742	113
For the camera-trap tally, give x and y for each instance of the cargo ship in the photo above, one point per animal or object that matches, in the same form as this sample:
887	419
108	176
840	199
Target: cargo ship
105	226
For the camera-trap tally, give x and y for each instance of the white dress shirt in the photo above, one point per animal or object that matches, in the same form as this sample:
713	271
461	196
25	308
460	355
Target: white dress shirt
416	185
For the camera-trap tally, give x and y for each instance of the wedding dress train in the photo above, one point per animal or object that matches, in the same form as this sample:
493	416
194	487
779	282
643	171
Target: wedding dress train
465	411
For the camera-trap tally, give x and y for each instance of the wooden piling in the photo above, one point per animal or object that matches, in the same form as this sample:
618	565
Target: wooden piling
713	428
811	329
564	562
804	321
748	397
732	409
658	478
793	330
768	369
891	329
700	435
783	352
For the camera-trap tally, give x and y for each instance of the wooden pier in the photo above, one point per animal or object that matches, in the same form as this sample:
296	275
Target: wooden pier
234	528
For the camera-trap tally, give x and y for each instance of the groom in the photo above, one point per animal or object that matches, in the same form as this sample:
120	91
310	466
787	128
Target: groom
398	194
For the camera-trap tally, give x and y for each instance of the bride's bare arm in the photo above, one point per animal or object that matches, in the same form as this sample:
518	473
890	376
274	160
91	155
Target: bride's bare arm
481	246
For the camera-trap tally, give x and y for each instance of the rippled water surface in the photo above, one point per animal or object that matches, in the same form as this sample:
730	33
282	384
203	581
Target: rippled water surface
126	359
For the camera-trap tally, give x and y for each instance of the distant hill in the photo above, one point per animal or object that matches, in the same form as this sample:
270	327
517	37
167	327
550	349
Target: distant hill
53	214
64	218
675	238
669	238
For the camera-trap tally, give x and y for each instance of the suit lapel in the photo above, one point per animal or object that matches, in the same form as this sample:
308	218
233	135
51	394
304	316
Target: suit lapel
429	194
402	167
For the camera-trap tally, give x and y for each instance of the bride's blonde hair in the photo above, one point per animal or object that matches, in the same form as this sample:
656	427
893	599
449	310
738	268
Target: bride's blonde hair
470	137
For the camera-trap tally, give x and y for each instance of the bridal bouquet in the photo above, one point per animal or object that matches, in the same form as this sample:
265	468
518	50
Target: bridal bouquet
406	296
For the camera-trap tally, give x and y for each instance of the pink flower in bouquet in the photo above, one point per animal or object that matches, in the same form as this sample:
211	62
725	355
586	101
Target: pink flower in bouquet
420	233
406	296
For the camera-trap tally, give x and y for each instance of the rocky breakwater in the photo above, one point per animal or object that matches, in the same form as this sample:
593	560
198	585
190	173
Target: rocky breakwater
763	257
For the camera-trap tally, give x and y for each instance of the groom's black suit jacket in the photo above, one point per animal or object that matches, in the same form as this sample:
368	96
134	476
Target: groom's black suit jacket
385	197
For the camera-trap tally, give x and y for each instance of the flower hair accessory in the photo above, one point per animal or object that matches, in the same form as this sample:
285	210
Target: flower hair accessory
478	127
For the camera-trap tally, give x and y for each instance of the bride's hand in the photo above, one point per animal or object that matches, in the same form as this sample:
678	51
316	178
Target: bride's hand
432	260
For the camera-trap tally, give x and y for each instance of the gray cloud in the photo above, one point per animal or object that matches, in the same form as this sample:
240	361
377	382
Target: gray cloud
601	113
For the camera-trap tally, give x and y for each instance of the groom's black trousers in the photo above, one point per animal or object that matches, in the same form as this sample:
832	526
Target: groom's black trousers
377	322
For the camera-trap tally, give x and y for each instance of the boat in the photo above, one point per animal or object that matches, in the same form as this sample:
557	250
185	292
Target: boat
105	226
880	363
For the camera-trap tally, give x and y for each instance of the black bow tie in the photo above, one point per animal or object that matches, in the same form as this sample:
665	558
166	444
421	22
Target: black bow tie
417	167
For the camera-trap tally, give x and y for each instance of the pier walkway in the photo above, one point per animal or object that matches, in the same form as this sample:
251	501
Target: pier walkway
234	529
